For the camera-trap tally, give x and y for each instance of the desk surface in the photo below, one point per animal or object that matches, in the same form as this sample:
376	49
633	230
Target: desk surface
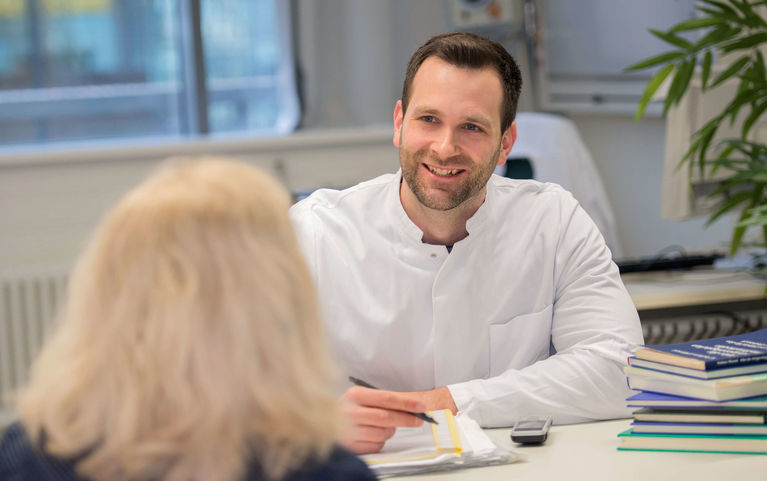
588	452
656	290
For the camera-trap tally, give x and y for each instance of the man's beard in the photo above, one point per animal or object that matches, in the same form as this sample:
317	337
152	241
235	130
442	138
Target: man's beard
475	180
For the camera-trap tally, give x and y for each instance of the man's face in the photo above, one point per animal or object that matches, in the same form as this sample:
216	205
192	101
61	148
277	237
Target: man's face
450	138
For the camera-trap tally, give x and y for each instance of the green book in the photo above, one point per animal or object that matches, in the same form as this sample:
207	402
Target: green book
701	415
696	443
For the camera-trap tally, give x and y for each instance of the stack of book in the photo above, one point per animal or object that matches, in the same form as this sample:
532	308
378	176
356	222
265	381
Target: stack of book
702	396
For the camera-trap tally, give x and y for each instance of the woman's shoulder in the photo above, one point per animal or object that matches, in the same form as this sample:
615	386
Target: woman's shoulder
341	465
19	461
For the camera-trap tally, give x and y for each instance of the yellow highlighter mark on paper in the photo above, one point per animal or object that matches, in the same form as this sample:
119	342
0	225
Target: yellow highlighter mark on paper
446	432
425	442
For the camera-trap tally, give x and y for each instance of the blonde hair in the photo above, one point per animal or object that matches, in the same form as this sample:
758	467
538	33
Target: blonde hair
190	344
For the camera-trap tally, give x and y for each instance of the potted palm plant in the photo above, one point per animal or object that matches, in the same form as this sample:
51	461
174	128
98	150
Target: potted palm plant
731	37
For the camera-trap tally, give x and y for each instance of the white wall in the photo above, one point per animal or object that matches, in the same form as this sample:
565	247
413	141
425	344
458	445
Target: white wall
50	202
629	157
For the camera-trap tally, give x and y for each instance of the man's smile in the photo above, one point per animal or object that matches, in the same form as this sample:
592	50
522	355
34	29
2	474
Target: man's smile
443	172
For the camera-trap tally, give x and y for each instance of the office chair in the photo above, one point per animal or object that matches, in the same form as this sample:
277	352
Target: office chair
550	149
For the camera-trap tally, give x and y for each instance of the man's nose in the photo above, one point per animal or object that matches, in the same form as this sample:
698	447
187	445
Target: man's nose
445	145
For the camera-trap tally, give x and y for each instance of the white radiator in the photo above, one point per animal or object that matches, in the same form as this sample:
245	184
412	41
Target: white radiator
28	303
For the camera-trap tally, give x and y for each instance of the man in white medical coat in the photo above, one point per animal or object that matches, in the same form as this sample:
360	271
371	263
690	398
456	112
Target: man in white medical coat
449	287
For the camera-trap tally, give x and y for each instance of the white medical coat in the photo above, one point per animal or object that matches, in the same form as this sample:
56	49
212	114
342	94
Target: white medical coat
557	152
532	277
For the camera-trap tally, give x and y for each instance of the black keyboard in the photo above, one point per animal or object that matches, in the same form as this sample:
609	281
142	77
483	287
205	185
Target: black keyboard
666	263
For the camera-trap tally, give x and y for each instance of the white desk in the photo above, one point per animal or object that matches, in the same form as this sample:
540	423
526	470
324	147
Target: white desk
588	452
667	289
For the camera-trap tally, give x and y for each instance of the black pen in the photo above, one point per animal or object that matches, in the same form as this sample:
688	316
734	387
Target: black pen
360	382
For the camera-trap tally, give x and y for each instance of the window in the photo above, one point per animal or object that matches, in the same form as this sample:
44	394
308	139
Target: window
80	70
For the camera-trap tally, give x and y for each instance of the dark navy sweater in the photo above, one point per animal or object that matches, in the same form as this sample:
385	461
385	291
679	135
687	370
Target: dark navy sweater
19	461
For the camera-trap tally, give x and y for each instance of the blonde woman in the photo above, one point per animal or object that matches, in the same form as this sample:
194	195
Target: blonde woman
189	348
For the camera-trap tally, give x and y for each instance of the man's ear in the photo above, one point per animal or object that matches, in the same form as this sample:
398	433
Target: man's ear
398	119
507	142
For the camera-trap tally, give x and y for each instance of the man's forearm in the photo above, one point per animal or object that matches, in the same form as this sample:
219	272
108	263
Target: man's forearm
572	388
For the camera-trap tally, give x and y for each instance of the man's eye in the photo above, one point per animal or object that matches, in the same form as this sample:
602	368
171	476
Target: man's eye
429	118
473	128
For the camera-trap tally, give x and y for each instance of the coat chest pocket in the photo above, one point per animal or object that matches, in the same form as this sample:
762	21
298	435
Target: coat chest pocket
520	342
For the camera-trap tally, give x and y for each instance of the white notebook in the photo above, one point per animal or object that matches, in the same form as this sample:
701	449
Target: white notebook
455	443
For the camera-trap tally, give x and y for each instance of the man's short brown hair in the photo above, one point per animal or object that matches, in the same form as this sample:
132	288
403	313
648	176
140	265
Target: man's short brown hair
469	50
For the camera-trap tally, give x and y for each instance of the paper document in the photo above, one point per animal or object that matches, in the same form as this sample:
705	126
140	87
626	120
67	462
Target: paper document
455	443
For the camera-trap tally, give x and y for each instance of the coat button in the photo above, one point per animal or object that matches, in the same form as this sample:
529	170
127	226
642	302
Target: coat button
434	254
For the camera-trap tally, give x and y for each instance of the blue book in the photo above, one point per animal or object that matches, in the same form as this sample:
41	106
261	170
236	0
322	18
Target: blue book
711	354
686	371
657	400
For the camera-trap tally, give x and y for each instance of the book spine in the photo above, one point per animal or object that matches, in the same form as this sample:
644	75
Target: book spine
736	361
667	386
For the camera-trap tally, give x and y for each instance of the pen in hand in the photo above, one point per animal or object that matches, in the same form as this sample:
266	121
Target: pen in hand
360	382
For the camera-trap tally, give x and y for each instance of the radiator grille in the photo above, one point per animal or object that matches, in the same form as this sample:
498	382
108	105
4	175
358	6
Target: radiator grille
704	325
28	303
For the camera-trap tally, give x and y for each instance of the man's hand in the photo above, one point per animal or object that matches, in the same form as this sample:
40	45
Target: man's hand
372	415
